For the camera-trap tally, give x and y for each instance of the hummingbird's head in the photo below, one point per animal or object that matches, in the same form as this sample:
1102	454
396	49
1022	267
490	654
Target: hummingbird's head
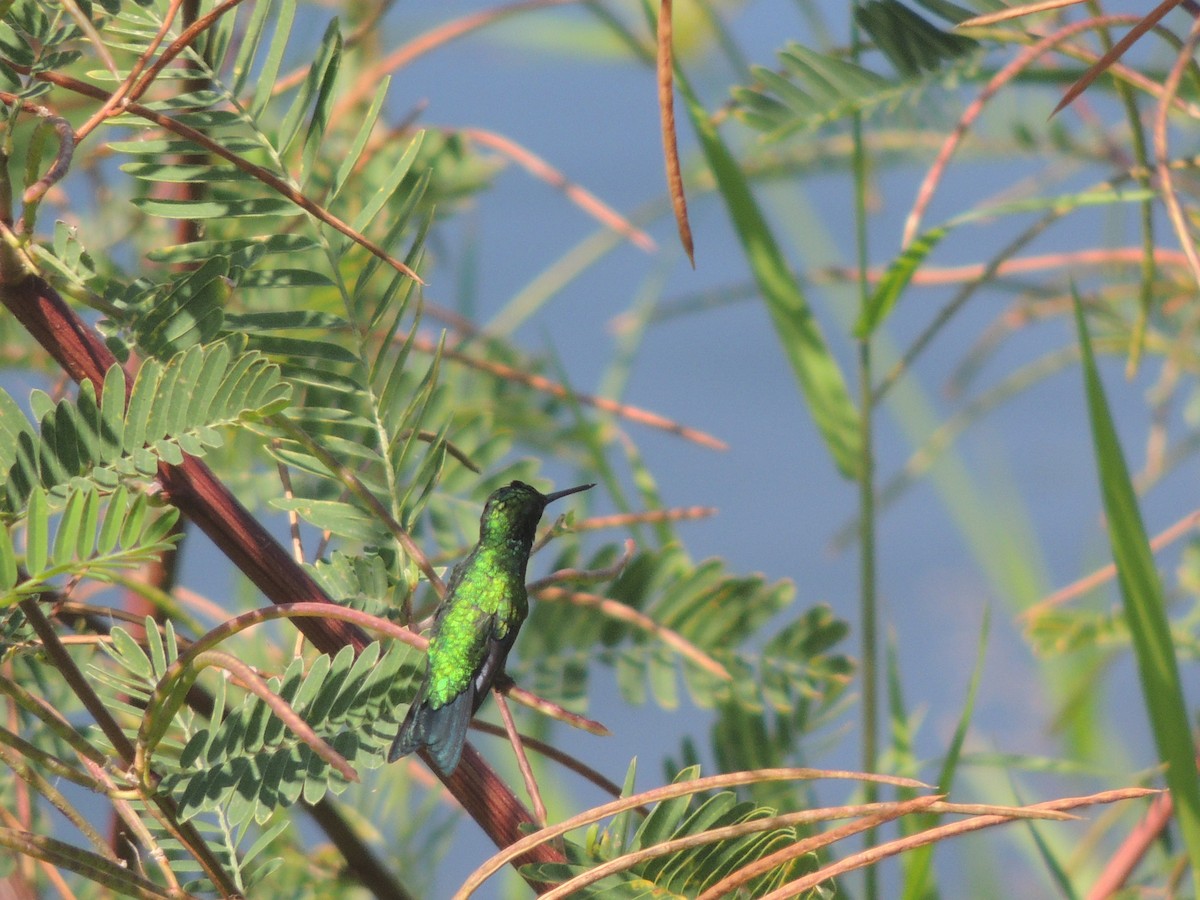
514	511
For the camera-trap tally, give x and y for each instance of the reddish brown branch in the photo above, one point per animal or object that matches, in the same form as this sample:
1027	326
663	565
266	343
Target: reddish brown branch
1134	848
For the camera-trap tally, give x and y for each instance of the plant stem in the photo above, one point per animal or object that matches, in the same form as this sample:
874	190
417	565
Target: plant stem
866	486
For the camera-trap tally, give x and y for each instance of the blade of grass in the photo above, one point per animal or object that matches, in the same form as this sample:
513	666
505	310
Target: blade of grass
1145	608
818	373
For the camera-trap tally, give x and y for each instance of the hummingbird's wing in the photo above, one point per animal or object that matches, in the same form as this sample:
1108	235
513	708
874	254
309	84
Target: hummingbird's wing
493	661
439	723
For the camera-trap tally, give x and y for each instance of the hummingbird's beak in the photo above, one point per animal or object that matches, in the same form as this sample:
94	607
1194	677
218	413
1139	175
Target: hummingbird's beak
550	498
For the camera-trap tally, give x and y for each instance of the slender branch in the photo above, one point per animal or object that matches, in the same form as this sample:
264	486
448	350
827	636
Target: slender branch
658	795
1134	848
514	738
554	389
616	610
577	194
551	752
1021	61
1164	538
124	748
78	684
123	89
554	711
1161	157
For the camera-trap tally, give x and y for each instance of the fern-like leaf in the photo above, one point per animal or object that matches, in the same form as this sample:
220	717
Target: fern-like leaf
66	539
687	871
710	609
815	89
249	764
174	408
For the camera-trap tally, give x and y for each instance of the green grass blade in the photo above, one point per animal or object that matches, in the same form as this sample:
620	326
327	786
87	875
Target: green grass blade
818	373
1145	609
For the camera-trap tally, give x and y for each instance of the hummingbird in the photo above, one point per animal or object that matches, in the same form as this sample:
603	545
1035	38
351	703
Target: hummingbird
475	626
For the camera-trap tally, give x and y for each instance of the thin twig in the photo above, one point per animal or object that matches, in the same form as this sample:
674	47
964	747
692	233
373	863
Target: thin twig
273	181
552	710
181	43
887	812
606	574
1022	61
1016	12
614	609
665	69
1134	848
549	751
285	480
577	194
116	97
85	25
1106	573
657	795
649	517
535	795
1166	184
933	835
545	385
1115	52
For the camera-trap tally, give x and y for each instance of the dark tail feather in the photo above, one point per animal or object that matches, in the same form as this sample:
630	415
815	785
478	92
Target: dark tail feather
441	731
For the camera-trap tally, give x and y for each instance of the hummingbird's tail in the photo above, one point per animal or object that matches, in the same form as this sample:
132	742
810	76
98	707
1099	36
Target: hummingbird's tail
441	731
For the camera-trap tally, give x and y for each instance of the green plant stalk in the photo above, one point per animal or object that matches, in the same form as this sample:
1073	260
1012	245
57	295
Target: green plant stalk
1145	610
868	612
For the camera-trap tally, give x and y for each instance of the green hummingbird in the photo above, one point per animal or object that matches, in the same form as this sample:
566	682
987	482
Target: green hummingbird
475	626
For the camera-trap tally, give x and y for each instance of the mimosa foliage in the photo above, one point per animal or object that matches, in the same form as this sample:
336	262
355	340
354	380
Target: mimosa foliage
813	89
174	408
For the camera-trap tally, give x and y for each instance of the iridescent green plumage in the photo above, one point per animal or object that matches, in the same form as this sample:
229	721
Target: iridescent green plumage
475	626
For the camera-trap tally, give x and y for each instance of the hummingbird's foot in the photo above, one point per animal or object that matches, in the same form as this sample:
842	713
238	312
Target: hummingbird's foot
503	682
